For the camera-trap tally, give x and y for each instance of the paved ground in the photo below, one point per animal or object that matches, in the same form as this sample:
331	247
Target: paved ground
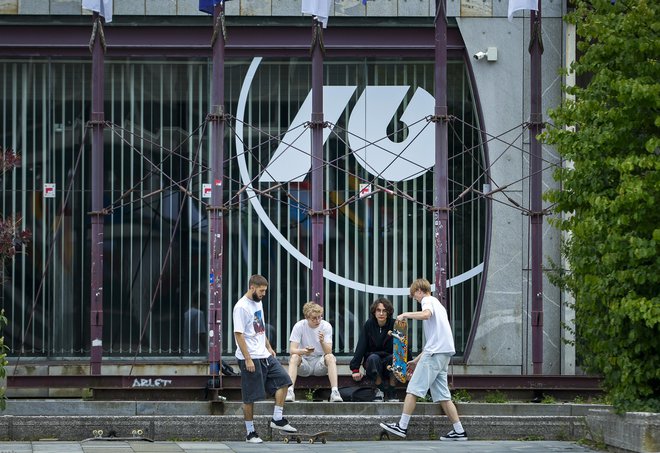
479	446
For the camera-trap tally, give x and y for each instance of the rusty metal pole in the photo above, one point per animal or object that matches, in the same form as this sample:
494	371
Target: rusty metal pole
536	189
97	215
316	125
440	173
215	210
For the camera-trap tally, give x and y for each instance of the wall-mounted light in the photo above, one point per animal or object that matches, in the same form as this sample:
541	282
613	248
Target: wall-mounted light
490	54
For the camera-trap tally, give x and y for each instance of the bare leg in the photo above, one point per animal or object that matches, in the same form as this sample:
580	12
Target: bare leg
450	409
248	411
378	381
331	363
409	404
294	363
280	394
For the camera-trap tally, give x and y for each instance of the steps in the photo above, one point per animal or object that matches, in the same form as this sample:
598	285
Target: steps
25	420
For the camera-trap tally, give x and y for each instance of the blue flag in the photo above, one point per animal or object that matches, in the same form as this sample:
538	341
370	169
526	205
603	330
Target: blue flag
208	5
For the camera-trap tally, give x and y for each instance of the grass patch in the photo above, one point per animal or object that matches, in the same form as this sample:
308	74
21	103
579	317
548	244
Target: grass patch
495	397
461	396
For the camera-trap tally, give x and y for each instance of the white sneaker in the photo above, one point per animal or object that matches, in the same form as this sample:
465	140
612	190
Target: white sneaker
379	395
290	396
335	397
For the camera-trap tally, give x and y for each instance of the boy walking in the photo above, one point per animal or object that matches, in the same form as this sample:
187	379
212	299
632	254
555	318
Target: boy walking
261	373
310	345
432	363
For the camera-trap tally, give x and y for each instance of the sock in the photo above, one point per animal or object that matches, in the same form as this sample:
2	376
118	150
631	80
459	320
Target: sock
277	413
458	427
334	389
249	426
405	419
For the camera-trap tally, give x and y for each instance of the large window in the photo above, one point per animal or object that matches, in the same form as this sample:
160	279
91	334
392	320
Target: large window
157	158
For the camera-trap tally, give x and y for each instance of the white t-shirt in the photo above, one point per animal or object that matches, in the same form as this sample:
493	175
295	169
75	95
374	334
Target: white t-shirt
249	320
437	330
305	336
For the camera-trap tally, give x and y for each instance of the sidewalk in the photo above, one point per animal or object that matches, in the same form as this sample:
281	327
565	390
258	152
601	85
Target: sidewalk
397	446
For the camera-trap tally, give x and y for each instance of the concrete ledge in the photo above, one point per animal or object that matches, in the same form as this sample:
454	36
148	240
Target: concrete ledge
231	427
632	431
59	407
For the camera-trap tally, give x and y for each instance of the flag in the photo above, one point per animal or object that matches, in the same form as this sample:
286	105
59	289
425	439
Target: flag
208	5
318	8
103	7
517	5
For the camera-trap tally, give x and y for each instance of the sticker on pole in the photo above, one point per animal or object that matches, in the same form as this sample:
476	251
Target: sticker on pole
49	190
206	190
365	190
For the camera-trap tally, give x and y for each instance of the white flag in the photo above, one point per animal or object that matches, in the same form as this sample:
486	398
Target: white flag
318	8
517	5
103	7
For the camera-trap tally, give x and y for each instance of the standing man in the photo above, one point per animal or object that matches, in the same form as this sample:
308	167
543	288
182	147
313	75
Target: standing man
374	350
261	373
432	363
310	346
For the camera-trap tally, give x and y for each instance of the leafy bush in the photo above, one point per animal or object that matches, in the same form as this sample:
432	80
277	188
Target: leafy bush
609	133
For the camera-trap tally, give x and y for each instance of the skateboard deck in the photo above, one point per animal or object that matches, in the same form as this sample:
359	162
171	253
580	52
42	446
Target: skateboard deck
299	437
399	367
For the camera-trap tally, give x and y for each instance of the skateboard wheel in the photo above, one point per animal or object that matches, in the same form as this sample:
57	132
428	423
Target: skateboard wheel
323	441
298	440
100	431
133	432
285	440
311	441
140	432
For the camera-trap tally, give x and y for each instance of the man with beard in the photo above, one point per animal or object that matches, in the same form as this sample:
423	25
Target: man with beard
261	372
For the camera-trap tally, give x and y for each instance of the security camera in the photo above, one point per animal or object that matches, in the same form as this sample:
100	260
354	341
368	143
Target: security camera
479	55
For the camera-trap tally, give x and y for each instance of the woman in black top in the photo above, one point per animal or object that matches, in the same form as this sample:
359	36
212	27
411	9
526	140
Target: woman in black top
374	350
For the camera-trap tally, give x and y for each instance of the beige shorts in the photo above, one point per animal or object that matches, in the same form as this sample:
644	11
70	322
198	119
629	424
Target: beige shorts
312	366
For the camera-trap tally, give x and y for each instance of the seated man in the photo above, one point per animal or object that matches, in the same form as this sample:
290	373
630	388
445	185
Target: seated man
310	346
374	350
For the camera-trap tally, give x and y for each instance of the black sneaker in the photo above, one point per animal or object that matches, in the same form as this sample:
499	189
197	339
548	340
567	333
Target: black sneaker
453	435
253	438
394	428
282	425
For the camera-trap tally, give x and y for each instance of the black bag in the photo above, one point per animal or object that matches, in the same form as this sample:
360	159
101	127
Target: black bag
357	394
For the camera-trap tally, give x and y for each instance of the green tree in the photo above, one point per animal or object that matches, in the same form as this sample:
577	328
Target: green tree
12	240
609	133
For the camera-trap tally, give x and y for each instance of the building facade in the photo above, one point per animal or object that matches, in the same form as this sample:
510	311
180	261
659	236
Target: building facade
377	173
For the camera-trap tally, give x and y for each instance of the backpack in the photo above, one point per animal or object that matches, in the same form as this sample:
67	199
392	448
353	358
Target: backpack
357	394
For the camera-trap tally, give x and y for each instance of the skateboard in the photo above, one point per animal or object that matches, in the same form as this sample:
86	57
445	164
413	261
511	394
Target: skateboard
136	434
299	437
399	365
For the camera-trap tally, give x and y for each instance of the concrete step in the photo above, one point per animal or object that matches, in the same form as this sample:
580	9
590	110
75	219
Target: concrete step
29	420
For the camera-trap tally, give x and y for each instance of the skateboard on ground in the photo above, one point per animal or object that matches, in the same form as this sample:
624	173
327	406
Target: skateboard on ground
299	437
399	367
136	434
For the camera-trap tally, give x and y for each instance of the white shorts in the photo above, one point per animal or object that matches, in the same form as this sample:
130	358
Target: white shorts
312	365
431	374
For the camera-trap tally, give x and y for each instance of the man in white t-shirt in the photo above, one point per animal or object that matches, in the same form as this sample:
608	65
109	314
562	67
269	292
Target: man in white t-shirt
432	364
261	372
310	346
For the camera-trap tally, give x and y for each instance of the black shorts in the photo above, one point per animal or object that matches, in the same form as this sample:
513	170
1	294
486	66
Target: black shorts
268	376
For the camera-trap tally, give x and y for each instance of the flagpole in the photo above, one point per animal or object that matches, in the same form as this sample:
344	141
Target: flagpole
215	209
97	215
440	174
316	125
536	190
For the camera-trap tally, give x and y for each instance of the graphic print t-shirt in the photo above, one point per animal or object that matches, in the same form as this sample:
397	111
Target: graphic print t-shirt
305	336
249	320
437	330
